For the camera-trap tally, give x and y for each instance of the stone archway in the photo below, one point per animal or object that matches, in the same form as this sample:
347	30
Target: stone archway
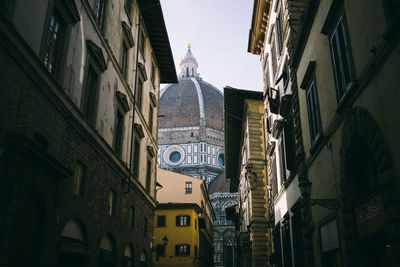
73	245
367	180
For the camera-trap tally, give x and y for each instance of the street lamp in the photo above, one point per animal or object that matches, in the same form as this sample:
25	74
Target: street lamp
165	240
305	191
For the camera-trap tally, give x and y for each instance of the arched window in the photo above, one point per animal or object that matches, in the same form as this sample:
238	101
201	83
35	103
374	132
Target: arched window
129	256
107	251
73	249
187	71
143	259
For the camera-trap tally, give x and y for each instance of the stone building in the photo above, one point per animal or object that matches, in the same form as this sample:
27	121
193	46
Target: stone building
224	229
78	98
272	37
342	60
191	126
247	170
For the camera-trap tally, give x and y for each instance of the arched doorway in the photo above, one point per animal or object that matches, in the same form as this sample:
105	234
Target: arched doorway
143	259
107	252
129	256
369	205
73	248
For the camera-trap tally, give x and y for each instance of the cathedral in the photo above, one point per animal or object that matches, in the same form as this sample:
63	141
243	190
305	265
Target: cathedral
191	125
191	142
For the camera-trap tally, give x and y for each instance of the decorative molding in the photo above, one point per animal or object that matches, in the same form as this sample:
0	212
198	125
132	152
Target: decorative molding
97	55
334	12
121	97
139	129
142	71
128	33
308	74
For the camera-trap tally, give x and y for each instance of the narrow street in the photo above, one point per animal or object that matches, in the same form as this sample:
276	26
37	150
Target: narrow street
159	133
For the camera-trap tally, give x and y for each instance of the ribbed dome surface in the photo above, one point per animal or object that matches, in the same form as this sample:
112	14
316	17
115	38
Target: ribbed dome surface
185	103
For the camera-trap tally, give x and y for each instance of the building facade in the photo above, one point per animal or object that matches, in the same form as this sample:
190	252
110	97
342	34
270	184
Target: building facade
225	253
184	218
272	36
191	126
336	57
79	93
247	170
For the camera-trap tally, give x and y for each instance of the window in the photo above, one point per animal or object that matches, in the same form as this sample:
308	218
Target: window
127	43
111	202
182	250
118	132
283	161
195	252
188	188
274	177
145	227
151	115
160	250
135	160
175	156
341	57
99	10
132	217
161	220
124	60
183	220
314	119
54	46
286	242
142	43
195	224
128	7
153	74
148	175
95	65
80	179
279	28
90	96
273	56
139	92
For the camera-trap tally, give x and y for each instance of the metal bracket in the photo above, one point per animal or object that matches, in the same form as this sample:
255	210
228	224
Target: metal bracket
332	204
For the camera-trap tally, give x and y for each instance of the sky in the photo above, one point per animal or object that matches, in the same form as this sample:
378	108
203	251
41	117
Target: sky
218	31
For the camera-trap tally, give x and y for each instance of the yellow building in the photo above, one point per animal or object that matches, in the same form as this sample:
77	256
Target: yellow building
246	167
176	234
183	222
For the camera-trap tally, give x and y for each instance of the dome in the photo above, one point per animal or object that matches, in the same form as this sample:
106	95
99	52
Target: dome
192	101
191	125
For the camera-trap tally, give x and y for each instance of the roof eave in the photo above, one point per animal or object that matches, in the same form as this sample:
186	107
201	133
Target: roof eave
153	18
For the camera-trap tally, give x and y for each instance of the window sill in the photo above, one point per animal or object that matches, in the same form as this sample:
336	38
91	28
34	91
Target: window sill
345	99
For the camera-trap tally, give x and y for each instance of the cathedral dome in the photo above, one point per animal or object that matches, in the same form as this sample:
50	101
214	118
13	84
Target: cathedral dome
192	101
191	125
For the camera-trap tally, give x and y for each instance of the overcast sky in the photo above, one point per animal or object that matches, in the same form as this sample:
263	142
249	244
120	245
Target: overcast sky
218	31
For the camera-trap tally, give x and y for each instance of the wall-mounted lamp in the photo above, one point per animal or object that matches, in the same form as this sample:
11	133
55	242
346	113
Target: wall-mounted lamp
305	191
